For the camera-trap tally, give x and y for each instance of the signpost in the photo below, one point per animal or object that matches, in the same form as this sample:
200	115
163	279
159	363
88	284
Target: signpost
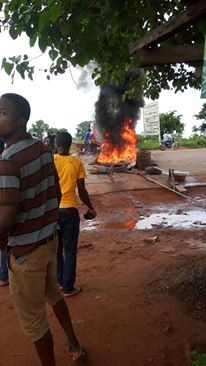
203	92
151	120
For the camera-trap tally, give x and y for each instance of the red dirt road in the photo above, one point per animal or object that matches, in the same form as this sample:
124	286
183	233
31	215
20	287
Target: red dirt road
131	312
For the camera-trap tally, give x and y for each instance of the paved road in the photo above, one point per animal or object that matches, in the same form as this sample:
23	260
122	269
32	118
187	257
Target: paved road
188	160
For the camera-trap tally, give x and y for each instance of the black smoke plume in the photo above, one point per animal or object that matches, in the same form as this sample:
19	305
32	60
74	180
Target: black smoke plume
111	111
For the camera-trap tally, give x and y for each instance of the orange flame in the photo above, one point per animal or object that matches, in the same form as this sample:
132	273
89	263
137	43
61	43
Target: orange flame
127	151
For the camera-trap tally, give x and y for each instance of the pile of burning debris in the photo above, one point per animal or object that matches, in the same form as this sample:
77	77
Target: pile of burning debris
116	121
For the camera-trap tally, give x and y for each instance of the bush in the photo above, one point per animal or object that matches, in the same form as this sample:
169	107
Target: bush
193	142
190	142
149	143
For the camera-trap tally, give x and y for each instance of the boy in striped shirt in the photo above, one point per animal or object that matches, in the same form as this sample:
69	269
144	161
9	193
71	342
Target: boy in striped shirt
29	199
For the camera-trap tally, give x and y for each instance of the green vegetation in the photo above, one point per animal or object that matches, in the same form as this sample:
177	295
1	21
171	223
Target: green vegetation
170	122
40	128
198	359
202	117
190	142
193	142
149	143
76	32
81	129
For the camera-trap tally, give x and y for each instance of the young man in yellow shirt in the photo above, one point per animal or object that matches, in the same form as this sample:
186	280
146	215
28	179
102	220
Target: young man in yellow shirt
71	176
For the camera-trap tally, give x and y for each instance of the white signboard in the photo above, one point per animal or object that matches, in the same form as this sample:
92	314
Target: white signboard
151	119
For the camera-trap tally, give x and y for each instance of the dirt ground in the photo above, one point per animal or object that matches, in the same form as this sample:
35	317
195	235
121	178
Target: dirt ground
143	298
189	160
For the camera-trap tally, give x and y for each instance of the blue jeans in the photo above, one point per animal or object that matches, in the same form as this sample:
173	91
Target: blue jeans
3	265
68	234
87	146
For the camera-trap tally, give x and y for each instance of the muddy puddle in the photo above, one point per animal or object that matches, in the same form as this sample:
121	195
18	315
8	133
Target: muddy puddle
124	225
177	219
182	220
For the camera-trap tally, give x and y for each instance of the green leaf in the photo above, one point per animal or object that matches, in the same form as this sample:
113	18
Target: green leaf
55	12
91	49
30	75
53	54
44	19
42	44
7	66
59	61
21	70
64	28
13	32
32	40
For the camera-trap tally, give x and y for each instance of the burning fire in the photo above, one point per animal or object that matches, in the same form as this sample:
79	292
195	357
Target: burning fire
125	151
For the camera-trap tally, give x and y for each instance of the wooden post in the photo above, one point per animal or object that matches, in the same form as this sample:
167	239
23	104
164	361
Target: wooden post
192	15
170	55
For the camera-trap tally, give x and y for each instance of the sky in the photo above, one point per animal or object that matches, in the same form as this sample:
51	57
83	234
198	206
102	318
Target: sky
60	103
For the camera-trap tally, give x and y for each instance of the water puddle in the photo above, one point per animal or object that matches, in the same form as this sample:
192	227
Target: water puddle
198	184
125	225
183	220
178	220
128	224
90	226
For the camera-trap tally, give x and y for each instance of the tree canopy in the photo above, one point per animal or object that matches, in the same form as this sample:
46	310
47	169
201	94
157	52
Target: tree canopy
76	32
202	117
171	122
81	129
40	128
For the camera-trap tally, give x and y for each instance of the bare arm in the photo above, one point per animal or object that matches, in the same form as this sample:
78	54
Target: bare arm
58	189
83	194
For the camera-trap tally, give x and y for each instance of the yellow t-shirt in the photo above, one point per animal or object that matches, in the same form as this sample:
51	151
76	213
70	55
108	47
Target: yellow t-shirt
69	170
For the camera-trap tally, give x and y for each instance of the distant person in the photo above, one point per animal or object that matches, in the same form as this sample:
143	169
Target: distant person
29	198
165	136
4	278
93	136
87	141
71	176
50	141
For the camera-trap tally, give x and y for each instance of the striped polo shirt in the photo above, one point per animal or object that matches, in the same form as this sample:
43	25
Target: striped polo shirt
29	181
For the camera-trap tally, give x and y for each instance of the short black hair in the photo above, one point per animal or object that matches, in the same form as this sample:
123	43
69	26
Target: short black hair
64	139
22	105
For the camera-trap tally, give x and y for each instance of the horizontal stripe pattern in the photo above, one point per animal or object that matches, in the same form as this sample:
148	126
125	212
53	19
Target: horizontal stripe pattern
33	225
19	147
36	178
9	182
36	212
42	197
32	192
33	166
35	236
27	173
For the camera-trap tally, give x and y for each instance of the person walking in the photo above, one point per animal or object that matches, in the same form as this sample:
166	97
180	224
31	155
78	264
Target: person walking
29	199
87	141
71	174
